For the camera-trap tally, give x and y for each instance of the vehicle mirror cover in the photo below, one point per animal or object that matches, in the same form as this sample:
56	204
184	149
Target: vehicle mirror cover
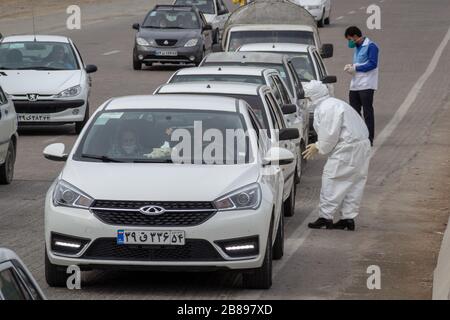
288	134
90	68
136	26
327	51
289	108
329	79
207	27
55	152
279	156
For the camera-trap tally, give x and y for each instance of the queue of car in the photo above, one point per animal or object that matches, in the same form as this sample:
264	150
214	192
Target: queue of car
181	197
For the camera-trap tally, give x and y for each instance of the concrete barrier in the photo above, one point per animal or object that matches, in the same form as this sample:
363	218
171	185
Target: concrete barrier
441	279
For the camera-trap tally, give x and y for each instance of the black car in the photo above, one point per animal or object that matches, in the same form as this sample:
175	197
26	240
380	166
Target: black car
172	34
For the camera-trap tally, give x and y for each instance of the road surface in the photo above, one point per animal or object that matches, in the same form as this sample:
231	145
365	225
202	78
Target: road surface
406	204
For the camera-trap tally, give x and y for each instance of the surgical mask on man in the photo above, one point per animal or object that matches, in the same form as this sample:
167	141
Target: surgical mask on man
351	43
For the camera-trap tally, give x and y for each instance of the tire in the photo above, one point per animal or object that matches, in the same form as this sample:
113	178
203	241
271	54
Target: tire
80	125
278	247
289	204
327	21
197	62
321	22
55	276
7	168
261	278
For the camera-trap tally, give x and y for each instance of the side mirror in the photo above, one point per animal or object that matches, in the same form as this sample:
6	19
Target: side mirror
222	12
301	94
329	79
217	47
327	51
289	108
136	26
55	152
207	27
90	68
288	134
278	156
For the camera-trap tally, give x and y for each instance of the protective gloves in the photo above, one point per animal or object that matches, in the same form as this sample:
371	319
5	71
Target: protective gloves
310	152
350	68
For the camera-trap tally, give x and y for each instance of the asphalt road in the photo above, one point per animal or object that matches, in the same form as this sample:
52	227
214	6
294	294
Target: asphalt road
394	231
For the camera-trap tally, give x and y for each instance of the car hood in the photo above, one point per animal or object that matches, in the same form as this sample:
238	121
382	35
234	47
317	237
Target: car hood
157	182
178	34
42	82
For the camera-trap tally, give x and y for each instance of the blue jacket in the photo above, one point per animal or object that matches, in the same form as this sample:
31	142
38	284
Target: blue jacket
365	59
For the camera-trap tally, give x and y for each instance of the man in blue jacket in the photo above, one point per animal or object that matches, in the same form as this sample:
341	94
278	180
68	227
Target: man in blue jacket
365	75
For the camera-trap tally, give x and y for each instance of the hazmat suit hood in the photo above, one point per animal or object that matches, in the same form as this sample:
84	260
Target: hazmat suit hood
315	91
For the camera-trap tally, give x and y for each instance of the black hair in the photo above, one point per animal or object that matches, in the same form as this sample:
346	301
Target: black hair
353	31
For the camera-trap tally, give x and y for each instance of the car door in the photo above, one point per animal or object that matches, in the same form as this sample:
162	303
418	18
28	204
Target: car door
206	34
278	123
6	125
222	14
322	71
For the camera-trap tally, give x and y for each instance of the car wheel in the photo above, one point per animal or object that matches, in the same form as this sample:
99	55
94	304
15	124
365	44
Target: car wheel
197	62
55	276
278	247
80	125
289	204
137	65
7	168
261	278
320	23
327	20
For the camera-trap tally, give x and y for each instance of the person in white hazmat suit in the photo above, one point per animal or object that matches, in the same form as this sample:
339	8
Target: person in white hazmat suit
342	135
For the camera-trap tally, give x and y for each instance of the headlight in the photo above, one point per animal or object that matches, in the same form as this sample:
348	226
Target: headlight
313	7
71	92
191	43
248	197
142	42
67	195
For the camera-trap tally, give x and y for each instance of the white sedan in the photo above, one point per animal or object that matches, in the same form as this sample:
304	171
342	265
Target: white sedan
319	9
46	79
8	138
143	188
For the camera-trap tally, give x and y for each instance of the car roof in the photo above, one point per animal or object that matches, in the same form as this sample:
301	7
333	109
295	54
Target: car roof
38	38
231	70
188	102
211	88
174	7
270	27
243	57
275	47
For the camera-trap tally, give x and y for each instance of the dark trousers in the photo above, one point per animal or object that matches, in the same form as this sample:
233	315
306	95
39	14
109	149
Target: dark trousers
364	99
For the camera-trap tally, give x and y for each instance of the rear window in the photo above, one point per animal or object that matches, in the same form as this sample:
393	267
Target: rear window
219	78
239	38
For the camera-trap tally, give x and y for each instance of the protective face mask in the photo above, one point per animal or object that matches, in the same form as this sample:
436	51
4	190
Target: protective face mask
351	44
129	149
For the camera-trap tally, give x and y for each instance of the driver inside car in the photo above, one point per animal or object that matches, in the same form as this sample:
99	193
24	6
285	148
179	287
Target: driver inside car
58	58
128	146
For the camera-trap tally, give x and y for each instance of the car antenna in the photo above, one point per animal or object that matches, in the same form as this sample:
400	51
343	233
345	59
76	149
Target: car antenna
34	25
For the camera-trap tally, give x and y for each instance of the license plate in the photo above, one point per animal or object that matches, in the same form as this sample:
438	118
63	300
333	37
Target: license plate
169	238
167	53
33	117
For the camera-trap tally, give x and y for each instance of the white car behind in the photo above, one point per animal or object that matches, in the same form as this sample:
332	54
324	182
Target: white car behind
46	79
319	9
8	138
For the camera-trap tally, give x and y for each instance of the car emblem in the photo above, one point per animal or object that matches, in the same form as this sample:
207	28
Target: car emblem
152	210
32	97
166	42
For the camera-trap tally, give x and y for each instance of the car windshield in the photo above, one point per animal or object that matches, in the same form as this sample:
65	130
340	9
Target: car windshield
281	68
171	19
205	6
166	136
218	77
239	38
37	56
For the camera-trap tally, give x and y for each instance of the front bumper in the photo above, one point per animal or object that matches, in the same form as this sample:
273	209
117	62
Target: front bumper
184	54
52	111
221	226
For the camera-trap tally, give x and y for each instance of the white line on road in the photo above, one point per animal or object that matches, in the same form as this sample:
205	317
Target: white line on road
352	12
54	139
298	237
339	18
111	52
362	8
411	97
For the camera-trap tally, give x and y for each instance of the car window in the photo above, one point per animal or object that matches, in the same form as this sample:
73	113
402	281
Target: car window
140	136
3	99
295	79
277	110
222	7
285	99
205	6
171	19
37	56
10	286
218	78
320	66
273	116
275	90
239	38
304	67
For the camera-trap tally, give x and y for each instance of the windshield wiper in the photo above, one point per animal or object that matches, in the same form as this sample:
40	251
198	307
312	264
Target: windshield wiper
39	68
153	161
101	158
